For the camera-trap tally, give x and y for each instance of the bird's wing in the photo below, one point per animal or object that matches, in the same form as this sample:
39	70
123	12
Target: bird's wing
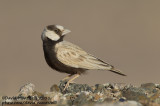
73	56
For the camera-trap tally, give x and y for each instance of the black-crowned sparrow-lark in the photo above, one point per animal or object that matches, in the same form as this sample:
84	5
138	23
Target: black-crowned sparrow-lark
66	57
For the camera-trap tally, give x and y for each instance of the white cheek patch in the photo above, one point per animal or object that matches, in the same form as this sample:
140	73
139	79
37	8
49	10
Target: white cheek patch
52	35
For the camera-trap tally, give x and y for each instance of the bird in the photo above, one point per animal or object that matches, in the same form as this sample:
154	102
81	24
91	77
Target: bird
67	57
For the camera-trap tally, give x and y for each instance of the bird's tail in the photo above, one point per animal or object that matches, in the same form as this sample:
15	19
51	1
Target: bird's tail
117	71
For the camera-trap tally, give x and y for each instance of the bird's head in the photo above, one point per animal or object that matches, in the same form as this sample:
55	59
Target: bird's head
54	32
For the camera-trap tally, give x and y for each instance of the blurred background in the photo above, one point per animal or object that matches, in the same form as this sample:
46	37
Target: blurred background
124	33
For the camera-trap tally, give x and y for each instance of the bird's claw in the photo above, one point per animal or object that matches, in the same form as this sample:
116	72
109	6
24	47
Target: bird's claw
67	85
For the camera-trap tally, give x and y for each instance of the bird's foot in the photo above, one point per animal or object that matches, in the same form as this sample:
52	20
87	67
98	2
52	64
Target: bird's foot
70	81
66	86
66	78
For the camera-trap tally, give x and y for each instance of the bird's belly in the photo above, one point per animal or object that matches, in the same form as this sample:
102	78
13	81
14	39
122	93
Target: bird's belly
55	64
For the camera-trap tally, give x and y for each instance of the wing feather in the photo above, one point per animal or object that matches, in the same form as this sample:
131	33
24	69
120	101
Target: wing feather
72	55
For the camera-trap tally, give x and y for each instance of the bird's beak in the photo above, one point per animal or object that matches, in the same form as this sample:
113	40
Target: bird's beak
66	31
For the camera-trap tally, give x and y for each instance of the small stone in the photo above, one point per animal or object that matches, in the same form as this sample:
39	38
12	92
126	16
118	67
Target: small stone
154	90
96	97
63	101
134	93
106	85
157	86
53	96
80	100
122	99
74	88
148	86
99	88
38	94
54	88
115	86
27	90
117	94
155	97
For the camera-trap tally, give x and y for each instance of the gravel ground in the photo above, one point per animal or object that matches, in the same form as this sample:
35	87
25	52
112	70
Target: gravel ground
110	94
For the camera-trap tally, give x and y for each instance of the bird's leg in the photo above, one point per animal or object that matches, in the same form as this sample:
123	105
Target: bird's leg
69	76
76	76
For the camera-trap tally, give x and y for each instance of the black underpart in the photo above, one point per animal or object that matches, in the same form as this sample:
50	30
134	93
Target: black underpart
53	62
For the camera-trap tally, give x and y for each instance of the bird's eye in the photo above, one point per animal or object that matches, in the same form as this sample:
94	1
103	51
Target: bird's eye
56	30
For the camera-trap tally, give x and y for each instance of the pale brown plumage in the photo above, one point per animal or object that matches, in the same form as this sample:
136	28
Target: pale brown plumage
66	57
73	56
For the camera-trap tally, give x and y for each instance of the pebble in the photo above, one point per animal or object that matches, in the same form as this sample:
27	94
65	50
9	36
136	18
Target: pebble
110	94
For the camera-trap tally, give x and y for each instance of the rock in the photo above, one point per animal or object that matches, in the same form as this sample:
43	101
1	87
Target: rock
99	88
110	94
122	99
157	86
27	90
54	88
155	98
134	93
53	96
148	86
80	100
74	88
